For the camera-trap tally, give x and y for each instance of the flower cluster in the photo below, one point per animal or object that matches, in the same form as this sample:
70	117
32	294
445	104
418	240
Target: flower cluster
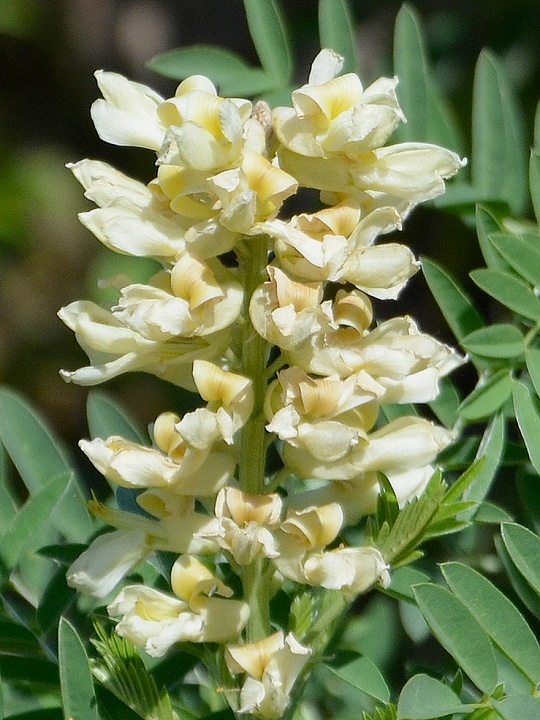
268	318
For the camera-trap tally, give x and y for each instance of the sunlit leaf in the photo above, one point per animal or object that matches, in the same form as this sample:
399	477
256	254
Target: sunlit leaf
425	698
362	674
78	696
458	310
500	619
459	633
500	340
528	420
336	31
520	254
486	399
509	290
498	165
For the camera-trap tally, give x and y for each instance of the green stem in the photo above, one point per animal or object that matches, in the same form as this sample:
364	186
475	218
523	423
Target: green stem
255	351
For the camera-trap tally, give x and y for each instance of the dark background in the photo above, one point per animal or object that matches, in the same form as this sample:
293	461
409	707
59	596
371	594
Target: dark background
48	52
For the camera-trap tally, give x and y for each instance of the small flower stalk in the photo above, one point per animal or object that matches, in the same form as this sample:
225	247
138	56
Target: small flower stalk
269	318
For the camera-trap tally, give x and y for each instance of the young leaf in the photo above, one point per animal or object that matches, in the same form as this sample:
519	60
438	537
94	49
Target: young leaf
499	167
523	256
106	418
500	340
362	674
485	400
269	35
78	696
500	619
509	290
39	457
528	420
456	307
459	633
424	698
336	30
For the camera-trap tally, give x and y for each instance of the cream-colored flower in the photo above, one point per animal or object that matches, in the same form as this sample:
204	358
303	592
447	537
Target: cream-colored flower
324	416
127	114
283	311
244	523
108	559
156	621
229	397
352	570
187	302
406	363
114	349
403	444
272	666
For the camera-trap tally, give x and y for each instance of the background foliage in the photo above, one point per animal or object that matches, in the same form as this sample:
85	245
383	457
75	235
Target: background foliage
452	645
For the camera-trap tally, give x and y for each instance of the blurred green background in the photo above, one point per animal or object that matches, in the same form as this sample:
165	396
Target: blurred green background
48	52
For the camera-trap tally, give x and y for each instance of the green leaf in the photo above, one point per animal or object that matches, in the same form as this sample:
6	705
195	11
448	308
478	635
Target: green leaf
526	594
509	290
532	360
490	453
226	69
518	707
523	547
528	420
8	507
22	530
486	226
362	674
106	417
269	35
490	514
456	307
500	340
56	598
520	254
498	165
445	405
500	619
459	633
34	673
534	181
336	31
486	399
39	457
402	581
424	698
78	698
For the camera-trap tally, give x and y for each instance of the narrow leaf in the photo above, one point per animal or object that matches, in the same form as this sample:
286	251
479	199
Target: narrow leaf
526	594
445	405
456	307
500	340
521	255
8	507
78	698
336	31
424	698
534	180
500	619
459	633
362	674
523	546
27	523
53	603
39	456
509	290
486	226
269	35
498	162
486	399
532	359
491	452
528	420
